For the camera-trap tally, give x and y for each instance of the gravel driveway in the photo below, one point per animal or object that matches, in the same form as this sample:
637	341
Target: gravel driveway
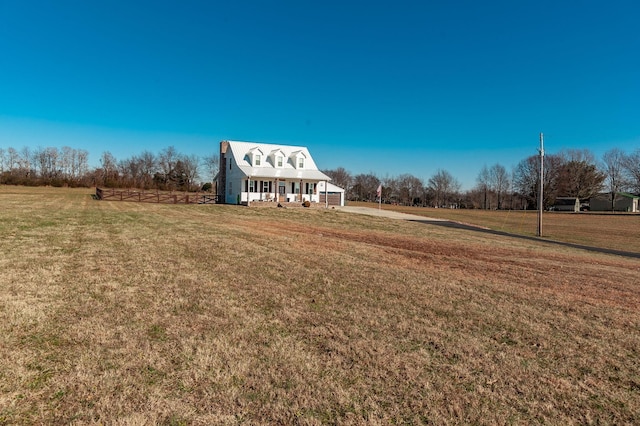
387	213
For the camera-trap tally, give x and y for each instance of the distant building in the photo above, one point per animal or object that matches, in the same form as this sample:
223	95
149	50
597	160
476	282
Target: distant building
567	204
251	171
623	202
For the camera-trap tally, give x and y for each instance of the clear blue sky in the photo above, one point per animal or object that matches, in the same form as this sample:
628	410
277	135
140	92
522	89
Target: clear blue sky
386	87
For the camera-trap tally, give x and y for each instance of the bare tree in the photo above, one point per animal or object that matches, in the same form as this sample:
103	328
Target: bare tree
340	177
499	182
211	165
51	163
612	167
364	187
167	161
109	175
66	161
82	163
409	189
578	155
73	163
12	159
148	167
190	166
390	191
526	179
39	156
443	186
483	181
25	161
130	172
631	165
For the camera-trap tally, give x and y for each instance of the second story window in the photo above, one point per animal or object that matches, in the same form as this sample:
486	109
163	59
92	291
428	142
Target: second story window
301	163
256	160
279	161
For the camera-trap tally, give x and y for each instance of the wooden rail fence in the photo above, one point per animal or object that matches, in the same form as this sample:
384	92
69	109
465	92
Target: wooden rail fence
155	197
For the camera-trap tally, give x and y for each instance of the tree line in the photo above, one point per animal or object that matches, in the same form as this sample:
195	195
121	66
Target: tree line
43	166
569	173
166	170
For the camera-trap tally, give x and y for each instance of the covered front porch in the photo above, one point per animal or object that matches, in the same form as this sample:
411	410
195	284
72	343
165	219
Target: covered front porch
279	190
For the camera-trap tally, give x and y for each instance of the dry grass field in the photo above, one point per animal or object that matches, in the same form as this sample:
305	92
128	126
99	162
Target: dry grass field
124	313
617	231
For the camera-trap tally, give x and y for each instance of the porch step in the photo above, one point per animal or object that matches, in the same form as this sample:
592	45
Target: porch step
274	204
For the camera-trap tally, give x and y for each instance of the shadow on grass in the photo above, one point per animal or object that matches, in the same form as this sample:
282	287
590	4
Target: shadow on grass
457	225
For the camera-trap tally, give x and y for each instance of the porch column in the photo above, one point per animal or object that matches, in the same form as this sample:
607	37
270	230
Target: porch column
300	190
275	191
326	194
248	189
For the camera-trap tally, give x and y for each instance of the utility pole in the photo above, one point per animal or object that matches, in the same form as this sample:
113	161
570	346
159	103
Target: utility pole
541	195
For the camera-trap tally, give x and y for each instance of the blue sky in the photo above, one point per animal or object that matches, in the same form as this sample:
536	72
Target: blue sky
383	87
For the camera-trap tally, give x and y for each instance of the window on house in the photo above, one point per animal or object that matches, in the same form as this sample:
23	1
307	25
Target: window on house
301	163
229	163
310	187
253	186
256	159
265	186
279	160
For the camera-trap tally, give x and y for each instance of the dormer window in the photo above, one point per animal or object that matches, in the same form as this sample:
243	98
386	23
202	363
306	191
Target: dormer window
255	157
297	159
277	158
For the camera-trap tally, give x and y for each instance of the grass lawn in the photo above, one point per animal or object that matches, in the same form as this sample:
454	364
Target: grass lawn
127	313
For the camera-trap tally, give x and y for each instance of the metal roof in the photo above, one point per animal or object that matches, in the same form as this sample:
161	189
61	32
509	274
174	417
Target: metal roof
267	169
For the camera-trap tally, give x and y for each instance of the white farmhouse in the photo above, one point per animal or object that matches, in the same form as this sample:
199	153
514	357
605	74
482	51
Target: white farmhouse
251	171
